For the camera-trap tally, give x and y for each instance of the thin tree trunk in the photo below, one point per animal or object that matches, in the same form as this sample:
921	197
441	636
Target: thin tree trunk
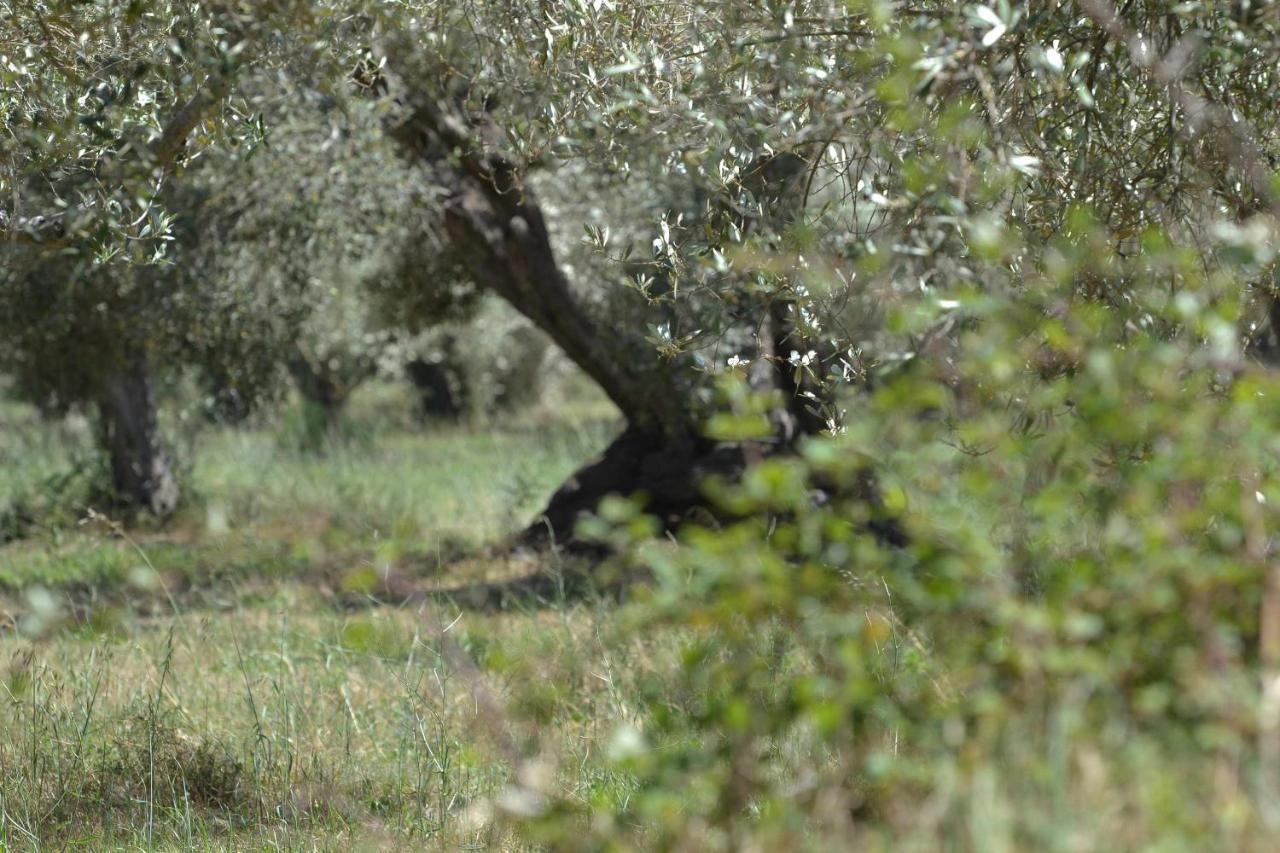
142	475
802	394
776	183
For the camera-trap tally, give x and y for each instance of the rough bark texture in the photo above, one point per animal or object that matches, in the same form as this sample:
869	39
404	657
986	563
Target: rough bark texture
142	475
498	227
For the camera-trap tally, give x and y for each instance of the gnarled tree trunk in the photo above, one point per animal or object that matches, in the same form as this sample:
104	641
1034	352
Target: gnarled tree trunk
142	475
497	226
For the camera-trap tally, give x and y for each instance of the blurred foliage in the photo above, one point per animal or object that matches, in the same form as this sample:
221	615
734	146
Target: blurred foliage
491	364
1097	580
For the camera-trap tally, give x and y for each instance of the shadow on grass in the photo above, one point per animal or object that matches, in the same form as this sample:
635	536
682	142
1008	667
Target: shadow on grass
97	586
530	580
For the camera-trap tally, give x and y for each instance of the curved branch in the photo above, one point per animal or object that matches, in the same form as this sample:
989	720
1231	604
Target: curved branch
499	226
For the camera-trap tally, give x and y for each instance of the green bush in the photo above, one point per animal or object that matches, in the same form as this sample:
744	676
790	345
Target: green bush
1087	588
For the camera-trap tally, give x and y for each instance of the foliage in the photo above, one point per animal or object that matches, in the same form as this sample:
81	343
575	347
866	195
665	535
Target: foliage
1095	581
1081	453
1017	263
94	125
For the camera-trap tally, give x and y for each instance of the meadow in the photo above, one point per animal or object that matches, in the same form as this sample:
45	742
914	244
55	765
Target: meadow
250	674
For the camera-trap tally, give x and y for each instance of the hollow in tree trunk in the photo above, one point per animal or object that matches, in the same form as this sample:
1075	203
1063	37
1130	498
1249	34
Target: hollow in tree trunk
142	475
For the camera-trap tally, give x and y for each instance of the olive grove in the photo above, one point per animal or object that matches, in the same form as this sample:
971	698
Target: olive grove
942	337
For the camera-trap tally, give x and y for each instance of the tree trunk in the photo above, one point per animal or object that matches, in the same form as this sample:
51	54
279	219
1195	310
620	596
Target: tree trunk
497	227
324	389
227	404
142	476
774	188
435	392
802	394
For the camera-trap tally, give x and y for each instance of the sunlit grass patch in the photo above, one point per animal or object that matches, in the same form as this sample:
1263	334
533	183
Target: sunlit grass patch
409	495
436	488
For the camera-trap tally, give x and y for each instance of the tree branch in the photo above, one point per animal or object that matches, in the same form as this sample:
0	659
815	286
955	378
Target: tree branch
159	155
502	235
166	147
1169	71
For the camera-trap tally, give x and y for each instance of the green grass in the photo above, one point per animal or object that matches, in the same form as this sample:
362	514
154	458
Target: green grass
289	724
208	684
462	487
386	489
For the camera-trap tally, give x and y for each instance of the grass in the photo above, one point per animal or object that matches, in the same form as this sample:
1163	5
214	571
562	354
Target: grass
285	724
236	680
463	488
221	683
385	490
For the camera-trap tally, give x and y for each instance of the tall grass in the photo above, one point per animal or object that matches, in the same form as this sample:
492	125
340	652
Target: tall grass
212	684
284	725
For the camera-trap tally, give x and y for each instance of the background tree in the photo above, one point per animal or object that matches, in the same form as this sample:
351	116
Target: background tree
98	125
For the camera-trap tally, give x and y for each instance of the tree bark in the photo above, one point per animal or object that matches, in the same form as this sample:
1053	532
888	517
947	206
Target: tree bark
801	394
497	225
498	228
775	188
142	475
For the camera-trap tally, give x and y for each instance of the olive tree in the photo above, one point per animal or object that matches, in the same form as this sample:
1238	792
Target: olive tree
99	123
816	182
666	119
152	225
